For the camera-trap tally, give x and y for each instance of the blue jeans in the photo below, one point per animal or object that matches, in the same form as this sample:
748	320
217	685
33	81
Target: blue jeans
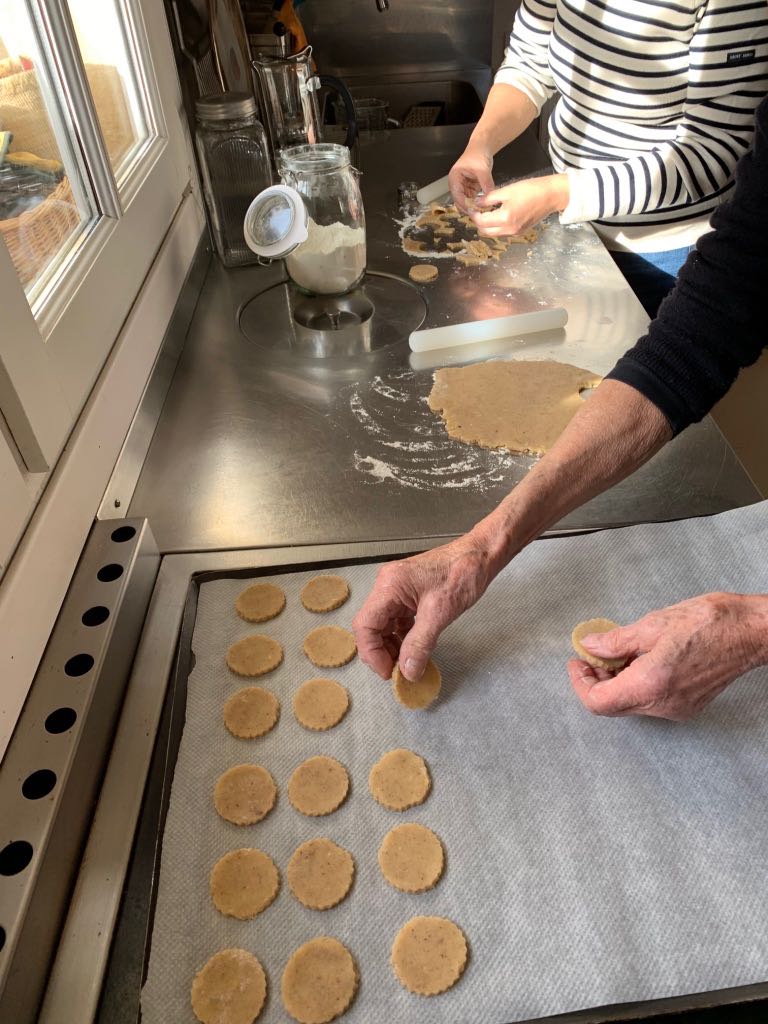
651	275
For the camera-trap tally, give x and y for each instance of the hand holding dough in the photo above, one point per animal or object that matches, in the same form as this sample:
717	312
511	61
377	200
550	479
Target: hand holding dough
595	626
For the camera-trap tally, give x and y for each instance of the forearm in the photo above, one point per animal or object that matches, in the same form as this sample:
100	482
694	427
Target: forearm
507	114
616	431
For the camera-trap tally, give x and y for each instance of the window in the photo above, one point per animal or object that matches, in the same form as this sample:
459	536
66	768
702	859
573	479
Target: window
94	163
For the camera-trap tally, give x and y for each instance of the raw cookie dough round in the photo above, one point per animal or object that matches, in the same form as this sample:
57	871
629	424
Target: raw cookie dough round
330	646
421	693
255	655
260	602
229	989
411	858
245	794
399	780
243	883
251	712
320	873
595	626
319	981
324	593
423	272
429	955
318	786
320	704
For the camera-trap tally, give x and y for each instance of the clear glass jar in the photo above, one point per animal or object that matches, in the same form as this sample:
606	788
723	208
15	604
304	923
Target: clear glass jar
235	165
332	259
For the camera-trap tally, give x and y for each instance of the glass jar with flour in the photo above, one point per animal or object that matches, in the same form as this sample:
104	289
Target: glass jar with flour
314	219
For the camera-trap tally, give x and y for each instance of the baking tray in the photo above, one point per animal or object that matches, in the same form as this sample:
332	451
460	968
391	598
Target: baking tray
129	958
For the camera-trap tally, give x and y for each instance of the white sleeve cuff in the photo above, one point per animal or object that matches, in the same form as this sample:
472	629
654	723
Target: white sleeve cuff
584	197
537	93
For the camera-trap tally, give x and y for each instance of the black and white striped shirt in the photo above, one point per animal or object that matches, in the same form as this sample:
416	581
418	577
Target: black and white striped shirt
656	106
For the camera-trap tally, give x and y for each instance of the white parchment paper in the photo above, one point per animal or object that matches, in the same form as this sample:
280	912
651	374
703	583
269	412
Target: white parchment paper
589	860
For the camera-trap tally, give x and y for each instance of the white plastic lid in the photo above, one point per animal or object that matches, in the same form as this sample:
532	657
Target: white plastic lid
275	222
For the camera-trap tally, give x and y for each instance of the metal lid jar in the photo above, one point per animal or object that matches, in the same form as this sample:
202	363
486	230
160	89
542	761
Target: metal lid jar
315	219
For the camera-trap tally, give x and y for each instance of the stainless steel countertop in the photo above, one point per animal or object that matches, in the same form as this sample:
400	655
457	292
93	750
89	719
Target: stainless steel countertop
258	447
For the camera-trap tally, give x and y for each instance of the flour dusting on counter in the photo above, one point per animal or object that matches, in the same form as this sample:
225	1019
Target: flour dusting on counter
407	443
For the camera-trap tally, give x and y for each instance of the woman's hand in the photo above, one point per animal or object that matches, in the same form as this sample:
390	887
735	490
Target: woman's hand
682	657
414	600
470	175
515	208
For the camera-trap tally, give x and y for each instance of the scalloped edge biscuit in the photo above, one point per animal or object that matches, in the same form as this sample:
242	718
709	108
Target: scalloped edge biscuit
412	857
254	655
319	981
330	646
409	774
329	875
596	626
230	986
232	799
429	955
419	695
260	602
324	593
309	784
251	712
320	704
244	883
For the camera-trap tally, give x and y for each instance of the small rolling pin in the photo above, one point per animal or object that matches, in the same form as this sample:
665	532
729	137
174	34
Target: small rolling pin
488	330
432	191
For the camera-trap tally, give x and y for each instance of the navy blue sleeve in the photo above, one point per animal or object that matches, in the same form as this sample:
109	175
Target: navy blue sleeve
715	321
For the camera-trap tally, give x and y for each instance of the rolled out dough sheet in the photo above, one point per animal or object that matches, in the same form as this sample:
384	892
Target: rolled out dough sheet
588	860
516	404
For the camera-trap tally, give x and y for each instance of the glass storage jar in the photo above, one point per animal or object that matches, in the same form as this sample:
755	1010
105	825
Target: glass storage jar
314	220
234	161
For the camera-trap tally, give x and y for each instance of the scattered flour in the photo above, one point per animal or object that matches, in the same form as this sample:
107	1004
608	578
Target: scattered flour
330	261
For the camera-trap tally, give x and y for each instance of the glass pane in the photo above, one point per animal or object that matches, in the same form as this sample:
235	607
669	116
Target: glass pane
44	204
110	69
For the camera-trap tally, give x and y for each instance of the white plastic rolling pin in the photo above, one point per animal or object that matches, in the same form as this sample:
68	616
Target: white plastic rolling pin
488	330
433	191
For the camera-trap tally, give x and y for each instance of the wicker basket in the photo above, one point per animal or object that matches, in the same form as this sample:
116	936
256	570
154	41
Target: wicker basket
35	236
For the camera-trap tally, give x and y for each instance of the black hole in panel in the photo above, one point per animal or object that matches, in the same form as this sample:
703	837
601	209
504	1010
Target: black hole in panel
60	720
15	856
78	665
95	616
110	572
2	936
123	533
38	784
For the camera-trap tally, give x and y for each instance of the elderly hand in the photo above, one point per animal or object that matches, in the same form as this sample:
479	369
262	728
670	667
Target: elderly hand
517	207
470	175
682	657
414	600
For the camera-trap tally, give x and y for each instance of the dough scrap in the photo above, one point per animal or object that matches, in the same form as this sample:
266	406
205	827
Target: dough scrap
324	593
255	655
318	786
251	712
595	626
319	981
421	693
245	794
429	955
320	704
330	646
411	858
413	245
243	883
399	780
229	989
520	405
320	873
470	261
423	272
260	602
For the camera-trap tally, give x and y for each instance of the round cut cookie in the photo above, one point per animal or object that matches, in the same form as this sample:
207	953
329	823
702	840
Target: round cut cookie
595	626
320	873
245	794
261	602
255	655
423	272
429	955
243	883
251	712
318	786
320	704
399	780
330	646
324	593
420	694
411	858
229	989
319	981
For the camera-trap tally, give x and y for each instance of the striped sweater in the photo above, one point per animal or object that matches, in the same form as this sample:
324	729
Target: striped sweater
656	106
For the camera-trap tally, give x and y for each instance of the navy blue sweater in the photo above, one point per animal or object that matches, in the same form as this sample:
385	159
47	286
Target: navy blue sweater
715	321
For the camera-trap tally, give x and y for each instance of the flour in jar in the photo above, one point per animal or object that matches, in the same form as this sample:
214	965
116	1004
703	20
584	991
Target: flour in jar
332	259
